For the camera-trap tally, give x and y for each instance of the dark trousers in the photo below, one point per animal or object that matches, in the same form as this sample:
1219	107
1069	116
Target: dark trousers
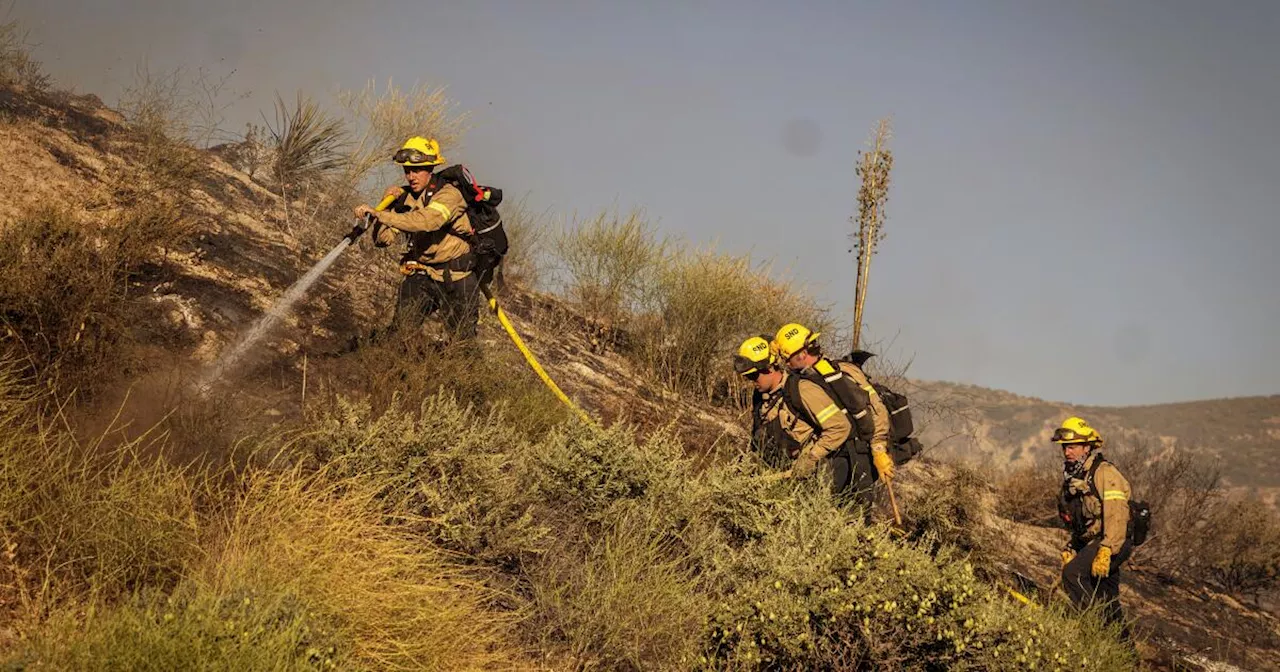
854	475
1085	589
458	300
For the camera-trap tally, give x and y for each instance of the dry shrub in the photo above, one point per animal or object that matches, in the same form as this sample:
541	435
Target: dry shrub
609	262
683	310
1182	487
65	301
408	366
384	120
527	233
17	68
1240	547
705	303
171	114
1029	494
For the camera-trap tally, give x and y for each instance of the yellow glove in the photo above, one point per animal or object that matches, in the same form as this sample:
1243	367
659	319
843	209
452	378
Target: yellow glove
804	466
884	464
1067	556
1102	563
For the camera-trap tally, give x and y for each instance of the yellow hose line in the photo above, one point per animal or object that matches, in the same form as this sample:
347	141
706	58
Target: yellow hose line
386	202
528	357
1021	598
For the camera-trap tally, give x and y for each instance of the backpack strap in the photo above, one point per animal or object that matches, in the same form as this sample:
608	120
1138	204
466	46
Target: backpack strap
791	396
1093	470
1093	490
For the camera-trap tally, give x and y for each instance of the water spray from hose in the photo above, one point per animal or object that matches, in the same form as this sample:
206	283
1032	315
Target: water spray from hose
282	307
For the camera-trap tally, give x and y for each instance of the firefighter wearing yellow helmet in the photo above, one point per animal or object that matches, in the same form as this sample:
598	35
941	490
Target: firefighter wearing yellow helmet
796	415
757	363
798	348
438	264
1094	504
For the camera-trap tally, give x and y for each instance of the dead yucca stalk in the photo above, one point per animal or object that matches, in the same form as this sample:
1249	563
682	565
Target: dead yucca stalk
873	169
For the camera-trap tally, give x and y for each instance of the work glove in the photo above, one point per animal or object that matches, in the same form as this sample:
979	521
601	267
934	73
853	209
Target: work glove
1067	556
805	465
884	464
1102	563
383	235
393	190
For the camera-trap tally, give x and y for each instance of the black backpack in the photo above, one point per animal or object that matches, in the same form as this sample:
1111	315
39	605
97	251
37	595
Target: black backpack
489	244
902	429
1139	512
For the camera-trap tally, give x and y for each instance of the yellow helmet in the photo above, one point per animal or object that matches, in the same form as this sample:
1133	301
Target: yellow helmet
419	151
755	355
793	338
1076	430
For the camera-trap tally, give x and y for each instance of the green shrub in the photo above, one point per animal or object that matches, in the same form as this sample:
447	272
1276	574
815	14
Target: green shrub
453	467
639	561
189	630
622	598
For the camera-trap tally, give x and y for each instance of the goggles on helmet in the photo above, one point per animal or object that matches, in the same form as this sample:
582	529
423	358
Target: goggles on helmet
411	156
1064	435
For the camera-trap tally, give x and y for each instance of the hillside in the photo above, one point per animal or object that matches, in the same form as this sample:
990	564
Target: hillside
1241	435
528	504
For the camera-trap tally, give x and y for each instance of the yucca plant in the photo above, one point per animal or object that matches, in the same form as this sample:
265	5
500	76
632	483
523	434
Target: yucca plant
308	144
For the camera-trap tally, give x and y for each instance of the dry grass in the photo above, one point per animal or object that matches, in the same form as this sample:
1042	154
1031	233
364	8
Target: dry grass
117	559
391	602
385	119
17	68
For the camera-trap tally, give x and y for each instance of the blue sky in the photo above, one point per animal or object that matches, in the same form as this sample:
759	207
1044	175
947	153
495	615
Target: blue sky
1084	199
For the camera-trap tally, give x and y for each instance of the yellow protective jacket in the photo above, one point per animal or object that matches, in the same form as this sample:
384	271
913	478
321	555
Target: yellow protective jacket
438	229
833	429
1096	513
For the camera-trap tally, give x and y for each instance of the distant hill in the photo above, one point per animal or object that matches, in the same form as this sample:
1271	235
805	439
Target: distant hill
1242	433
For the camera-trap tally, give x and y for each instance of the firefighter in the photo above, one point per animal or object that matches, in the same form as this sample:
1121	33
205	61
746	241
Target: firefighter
439	262
798	348
1094	503
797	414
